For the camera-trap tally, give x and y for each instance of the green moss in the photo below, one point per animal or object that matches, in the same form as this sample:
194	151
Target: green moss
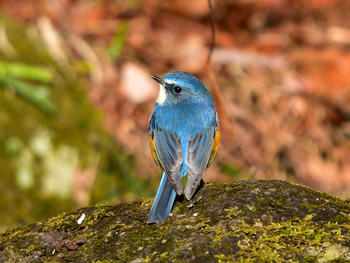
287	223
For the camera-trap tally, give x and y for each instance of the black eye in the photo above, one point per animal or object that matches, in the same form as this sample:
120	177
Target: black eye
177	89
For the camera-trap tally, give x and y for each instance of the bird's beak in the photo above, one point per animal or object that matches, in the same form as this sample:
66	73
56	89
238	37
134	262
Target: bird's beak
158	79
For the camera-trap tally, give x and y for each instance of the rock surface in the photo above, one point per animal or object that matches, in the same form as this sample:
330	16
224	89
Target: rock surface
255	221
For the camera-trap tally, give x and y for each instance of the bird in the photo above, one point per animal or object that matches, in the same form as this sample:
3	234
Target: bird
184	138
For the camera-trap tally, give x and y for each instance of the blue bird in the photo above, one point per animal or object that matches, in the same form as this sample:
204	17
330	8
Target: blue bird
184	137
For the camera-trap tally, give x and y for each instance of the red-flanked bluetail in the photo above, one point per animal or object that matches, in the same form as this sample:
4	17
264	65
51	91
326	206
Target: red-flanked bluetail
184	138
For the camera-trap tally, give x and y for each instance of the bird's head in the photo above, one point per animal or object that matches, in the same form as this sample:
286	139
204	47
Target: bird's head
178	86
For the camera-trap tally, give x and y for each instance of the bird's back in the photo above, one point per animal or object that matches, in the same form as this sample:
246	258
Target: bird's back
185	121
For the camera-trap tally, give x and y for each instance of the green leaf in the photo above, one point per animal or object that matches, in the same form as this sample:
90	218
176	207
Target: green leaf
28	72
118	41
231	170
37	96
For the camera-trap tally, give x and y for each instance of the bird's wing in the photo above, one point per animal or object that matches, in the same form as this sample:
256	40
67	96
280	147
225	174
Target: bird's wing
198	154
202	149
169	152
169	155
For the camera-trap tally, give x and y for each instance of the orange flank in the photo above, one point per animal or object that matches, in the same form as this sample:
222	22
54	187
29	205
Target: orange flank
215	148
153	150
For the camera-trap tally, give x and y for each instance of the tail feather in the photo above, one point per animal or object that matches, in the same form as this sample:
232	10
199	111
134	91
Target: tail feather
163	202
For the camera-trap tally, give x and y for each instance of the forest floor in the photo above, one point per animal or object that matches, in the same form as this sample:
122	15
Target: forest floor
282	68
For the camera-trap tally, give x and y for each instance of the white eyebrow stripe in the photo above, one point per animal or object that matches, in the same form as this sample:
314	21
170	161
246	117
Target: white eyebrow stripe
170	81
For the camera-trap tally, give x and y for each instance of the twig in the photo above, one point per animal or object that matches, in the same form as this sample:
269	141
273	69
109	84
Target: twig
212	26
218	93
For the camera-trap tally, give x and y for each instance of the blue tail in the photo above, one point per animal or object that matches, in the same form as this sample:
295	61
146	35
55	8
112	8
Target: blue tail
163	202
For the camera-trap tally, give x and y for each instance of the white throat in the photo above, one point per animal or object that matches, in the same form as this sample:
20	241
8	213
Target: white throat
162	95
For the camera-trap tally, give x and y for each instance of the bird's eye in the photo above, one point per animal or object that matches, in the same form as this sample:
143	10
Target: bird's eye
177	89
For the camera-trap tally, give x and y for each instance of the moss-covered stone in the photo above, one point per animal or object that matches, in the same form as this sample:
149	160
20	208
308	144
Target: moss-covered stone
254	221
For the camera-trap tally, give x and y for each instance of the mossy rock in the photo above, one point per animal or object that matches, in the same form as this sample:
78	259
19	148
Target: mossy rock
249	221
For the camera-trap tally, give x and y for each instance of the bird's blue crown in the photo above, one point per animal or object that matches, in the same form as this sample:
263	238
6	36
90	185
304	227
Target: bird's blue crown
184	79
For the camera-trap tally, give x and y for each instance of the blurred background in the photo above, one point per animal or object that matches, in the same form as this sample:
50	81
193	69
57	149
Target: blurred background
75	95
